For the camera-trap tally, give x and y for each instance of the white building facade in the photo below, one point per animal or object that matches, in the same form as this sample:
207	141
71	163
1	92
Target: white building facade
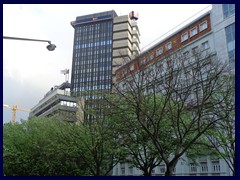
212	32
223	27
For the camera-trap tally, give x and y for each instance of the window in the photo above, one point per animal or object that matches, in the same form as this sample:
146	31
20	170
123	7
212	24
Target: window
215	166
228	10
143	61
162	169
204	167
131	67
193	32
124	71
188	75
184	37
159	65
230	35
203	26
151	56
205	45
130	170
186	54
169	46
123	170
195	50
193	167
159	51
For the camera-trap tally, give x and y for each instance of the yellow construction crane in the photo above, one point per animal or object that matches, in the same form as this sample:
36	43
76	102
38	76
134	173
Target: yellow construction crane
14	109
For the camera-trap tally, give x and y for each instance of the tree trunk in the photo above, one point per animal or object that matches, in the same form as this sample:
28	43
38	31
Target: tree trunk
170	167
234	165
97	171
233	170
146	173
169	171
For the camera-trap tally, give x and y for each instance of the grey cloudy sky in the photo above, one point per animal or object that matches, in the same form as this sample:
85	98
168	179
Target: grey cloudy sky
29	70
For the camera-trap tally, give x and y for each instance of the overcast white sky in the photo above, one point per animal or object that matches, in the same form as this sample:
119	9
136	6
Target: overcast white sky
30	70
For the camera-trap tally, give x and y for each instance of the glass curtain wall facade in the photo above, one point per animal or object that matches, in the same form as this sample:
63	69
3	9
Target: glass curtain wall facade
92	54
230	35
228	10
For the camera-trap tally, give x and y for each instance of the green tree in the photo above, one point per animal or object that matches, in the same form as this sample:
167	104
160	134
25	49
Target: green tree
135	145
179	91
222	136
99	149
35	147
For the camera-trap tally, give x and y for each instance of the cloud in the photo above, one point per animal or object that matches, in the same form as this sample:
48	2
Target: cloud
24	94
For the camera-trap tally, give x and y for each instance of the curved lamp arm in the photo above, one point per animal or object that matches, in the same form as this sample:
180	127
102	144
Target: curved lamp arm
50	47
25	39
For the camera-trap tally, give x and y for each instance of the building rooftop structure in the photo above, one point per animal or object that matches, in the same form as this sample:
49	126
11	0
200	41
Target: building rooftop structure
57	103
94	17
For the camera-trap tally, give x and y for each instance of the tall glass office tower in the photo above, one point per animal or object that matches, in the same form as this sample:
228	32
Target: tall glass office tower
92	53
101	43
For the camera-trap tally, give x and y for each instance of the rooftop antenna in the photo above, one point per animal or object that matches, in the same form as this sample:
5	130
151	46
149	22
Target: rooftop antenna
66	73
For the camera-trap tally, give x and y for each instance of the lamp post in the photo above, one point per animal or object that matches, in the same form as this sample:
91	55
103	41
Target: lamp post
50	47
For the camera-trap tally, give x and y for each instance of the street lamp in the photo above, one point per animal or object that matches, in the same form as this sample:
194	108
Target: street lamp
50	47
